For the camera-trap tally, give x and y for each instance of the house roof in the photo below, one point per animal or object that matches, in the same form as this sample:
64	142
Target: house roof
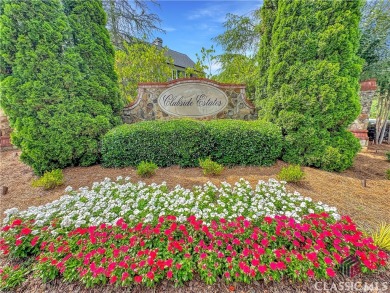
179	59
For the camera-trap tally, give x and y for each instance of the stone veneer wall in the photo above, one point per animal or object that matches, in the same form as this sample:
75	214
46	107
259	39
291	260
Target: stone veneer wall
359	126
5	132
146	106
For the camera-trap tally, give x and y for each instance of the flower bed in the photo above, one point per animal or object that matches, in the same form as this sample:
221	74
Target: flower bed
108	201
124	233
235	251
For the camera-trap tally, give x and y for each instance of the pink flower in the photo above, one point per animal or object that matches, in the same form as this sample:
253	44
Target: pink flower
34	240
328	260
125	275
113	279
169	274
18	242
255	262
25	231
150	275
310	273
264	242
17	222
227	275
330	272
203	255
273	266
262	268
138	279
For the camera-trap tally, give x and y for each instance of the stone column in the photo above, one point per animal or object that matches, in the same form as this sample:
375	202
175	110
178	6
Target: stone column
359	126
5	131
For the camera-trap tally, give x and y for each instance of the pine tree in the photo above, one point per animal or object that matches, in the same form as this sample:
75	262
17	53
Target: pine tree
312	79
56	116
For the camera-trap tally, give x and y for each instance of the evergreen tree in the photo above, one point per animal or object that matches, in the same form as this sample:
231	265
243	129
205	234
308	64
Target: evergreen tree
91	41
311	77
56	116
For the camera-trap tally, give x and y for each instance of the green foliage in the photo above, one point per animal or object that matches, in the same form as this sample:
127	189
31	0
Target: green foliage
388	174
388	156
210	167
205	61
146	169
374	42
141	62
237	142
50	180
237	68
309	78
12	276
183	142
58	86
291	173
241	33
381	236
240	40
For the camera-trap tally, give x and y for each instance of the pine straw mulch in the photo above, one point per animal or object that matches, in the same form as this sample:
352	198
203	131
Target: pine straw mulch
366	205
374	283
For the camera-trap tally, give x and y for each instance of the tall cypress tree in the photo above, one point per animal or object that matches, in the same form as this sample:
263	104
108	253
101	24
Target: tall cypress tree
312	79
91	41
57	121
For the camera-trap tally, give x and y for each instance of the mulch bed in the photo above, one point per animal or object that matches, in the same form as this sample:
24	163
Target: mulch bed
378	283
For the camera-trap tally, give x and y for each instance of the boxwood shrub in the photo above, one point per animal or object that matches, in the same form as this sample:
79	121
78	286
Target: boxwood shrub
237	142
183	142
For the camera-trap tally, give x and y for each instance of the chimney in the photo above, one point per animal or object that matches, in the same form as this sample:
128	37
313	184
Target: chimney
158	42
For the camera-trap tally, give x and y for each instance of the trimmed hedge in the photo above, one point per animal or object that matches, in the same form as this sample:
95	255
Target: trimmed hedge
184	142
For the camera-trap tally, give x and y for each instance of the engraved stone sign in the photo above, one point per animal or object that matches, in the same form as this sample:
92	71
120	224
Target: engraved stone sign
196	98
191	100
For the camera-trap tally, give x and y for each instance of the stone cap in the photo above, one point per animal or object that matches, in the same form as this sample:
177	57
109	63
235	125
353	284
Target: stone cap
190	80
368	85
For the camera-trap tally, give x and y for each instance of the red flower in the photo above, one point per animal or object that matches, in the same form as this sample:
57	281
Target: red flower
262	268
328	260
255	262
310	273
227	274
17	222
169	274
18	242
203	255
178	266
273	266
25	231
34	240
150	275
6	228
125	275
138	279
113	279
264	242
330	272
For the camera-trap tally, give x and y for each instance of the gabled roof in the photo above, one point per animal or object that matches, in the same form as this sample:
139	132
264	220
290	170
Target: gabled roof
179	59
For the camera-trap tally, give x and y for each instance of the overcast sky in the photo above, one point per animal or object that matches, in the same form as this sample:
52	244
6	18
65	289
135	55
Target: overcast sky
190	25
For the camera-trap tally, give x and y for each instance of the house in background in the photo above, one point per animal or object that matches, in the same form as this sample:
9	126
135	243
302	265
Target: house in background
181	61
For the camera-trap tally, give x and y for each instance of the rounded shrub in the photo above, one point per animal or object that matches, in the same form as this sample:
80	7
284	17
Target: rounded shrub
237	142
291	173
166	143
210	167
146	169
183	142
50	180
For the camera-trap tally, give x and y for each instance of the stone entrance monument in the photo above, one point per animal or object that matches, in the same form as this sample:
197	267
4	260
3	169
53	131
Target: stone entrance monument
189	97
